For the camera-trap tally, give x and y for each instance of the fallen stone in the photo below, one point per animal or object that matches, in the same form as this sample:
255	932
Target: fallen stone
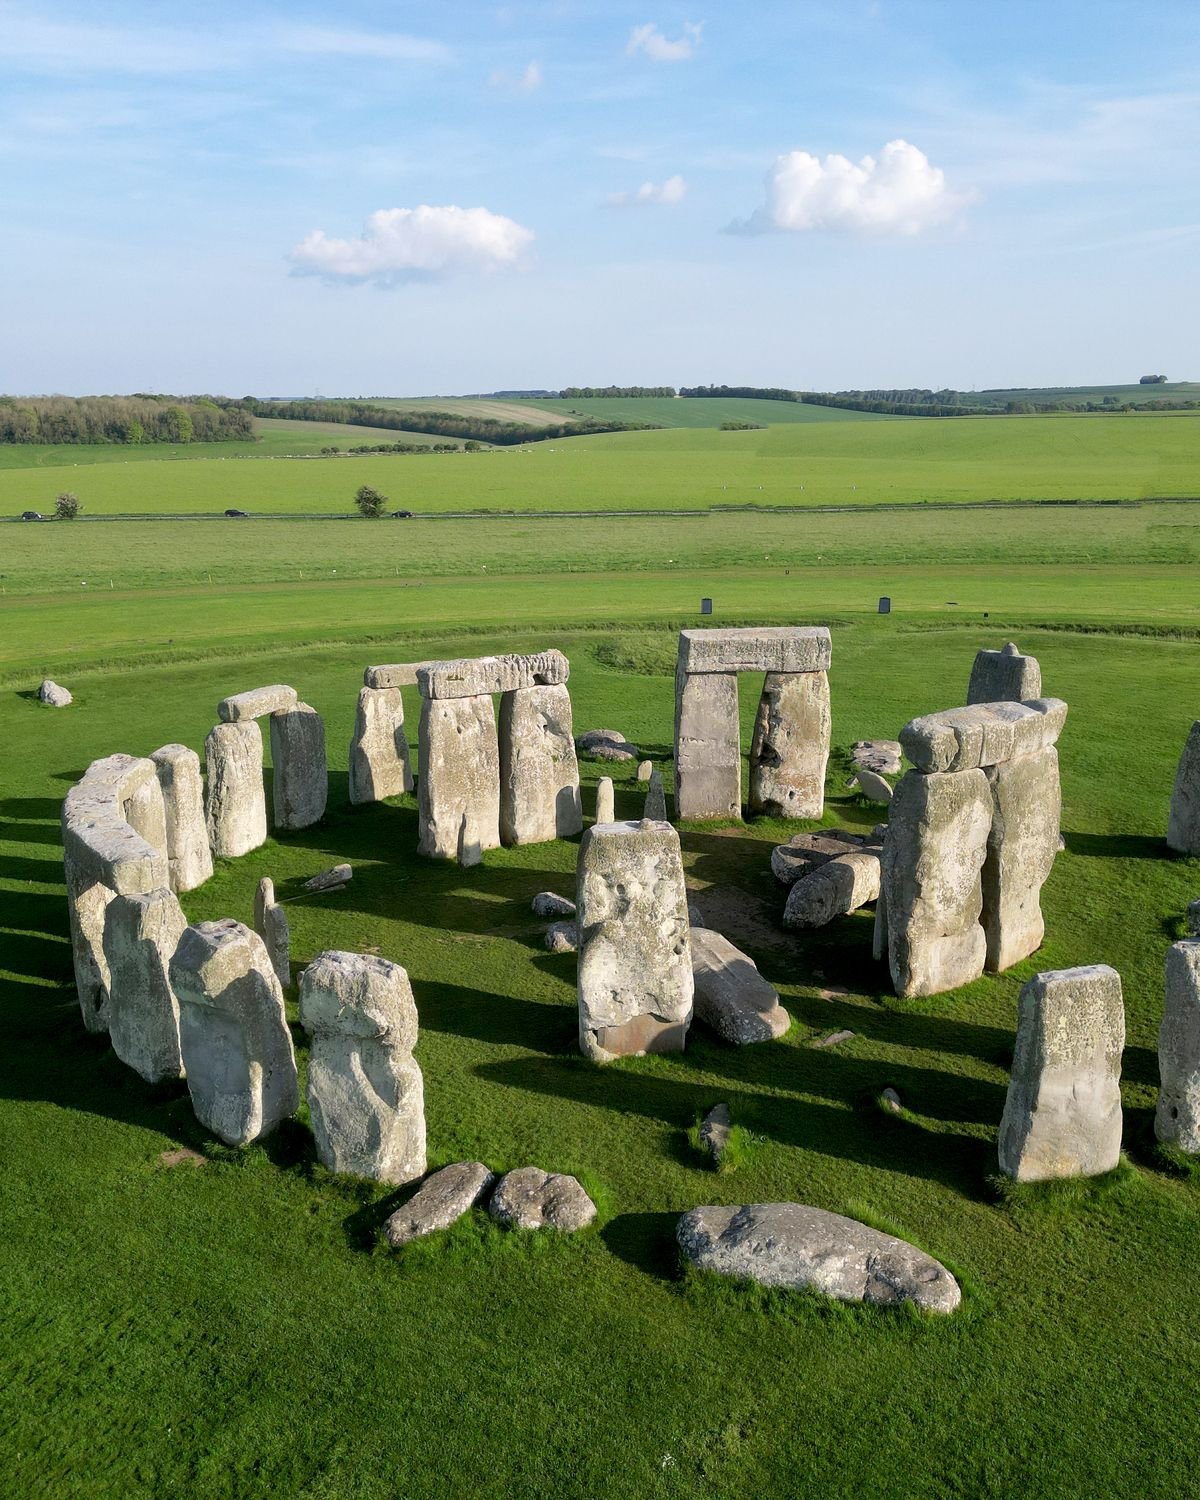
794	1246
695	917
440	1201
605	800
256	703
271	924
656	798
1062	1113
785	648
233	1033
730	996
550	904
789	749
635	970
237	803
645	769
872	788
890	1100
188	853
365	1093
459	786
983	734
140	935
53	694
834	1039
605	744
708	757
529	1198
1177	1117
1183	825
380	764
539	773
331	879
715	1129
300	784
477	676
807	851
562	937
833	889
880	756
1004	676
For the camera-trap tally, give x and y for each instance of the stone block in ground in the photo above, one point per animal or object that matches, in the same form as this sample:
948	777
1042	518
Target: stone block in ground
459	785
708	757
271	924
53	694
880	756
140	935
539	773
440	1201
1183	824
236	808
1177	1117
562	937
833	889
331	879
529	1198
730	996
794	1246
1022	844
188	852
605	800
380	763
714	1133
789	748
806	851
605	744
1004	676
300	784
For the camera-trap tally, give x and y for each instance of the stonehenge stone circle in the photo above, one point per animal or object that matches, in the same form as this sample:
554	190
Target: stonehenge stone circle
440	1201
789	749
730	996
539	773
300	785
182	786
233	1033
271	924
236	811
635	968
1062	1114
792	1245
1004	676
1177	1117
365	1093
256	703
140	934
380	764
1183	825
459	785
529	1198
606	811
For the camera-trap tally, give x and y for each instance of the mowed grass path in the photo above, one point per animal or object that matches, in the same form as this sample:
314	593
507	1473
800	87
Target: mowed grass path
235	1329
822	463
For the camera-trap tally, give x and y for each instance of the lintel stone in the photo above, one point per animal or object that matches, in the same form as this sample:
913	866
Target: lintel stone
784	648
473	676
982	734
257	702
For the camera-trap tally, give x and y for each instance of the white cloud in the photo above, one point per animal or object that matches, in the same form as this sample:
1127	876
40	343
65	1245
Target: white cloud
897	192
672	190
650	40
525	82
414	244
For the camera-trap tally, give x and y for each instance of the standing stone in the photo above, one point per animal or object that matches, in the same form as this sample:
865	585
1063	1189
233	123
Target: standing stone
1026	806
233	1033
380	765
635	966
145	812
237	803
656	798
301	775
459	784
1183	827
1004	676
539	773
790	746
271	924
708	756
87	902
140	935
1062	1115
1177	1118
932	862
183	803
606	800
365	1092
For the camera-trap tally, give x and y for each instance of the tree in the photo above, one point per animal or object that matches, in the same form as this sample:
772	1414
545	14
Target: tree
370	502
66	506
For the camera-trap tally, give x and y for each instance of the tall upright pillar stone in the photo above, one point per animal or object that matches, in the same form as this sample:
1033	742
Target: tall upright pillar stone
539	772
236	809
1183	826
1177	1117
300	783
380	765
1004	676
790	746
459	784
182	786
141	934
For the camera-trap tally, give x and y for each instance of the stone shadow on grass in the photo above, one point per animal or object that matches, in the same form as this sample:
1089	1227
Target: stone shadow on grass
1119	846
32	809
646	1242
540	1026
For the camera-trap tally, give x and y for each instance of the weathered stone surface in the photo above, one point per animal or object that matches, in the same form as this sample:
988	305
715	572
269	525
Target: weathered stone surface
87	901
730	996
188	853
833	889
708	756
932	862
563	937
982	734
645	770
459	784
365	1093
271	924
1004	676
873	787
795	1246
300	784
656	798
890	1100
1183	825
714	1133
529	1198
255	703
395	675
550	904
99	841
605	800
145	812
440	1201
802	854
53	694
605	744
1177	1118
1193	918
834	1039
1062	1114
331	879
236	810
380	765
539	774
635	968
140	935
233	1033
1026	805
880	756
790	745
784	648
475	676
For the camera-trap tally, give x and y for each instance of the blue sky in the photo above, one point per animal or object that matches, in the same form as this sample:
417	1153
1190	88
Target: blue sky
226	197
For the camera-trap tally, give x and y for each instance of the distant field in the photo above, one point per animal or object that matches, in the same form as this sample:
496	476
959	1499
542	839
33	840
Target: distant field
804	464
699	411
465	406
1176	390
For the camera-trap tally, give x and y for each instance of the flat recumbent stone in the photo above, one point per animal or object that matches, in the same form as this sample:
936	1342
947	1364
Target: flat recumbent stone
982	734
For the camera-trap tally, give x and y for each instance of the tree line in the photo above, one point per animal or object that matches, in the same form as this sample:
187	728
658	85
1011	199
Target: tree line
120	419
443	423
570	391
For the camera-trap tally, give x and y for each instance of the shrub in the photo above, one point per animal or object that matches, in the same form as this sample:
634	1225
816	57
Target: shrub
66	506
370	502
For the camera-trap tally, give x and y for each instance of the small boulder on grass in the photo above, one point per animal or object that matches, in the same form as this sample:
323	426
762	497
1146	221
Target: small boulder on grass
330	880
549	904
440	1201
53	695
714	1133
529	1198
563	937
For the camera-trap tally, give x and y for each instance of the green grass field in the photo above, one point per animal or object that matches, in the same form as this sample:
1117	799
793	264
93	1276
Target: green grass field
695	411
237	1329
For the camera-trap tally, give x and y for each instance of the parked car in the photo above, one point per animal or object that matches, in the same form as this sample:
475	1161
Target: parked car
237	513
32	515
402	515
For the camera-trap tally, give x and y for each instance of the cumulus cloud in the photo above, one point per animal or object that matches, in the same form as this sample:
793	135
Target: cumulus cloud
897	192
525	82
414	244
649	40
670	191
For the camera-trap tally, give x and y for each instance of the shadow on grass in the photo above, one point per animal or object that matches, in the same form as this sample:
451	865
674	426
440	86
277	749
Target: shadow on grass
645	1241
1118	846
